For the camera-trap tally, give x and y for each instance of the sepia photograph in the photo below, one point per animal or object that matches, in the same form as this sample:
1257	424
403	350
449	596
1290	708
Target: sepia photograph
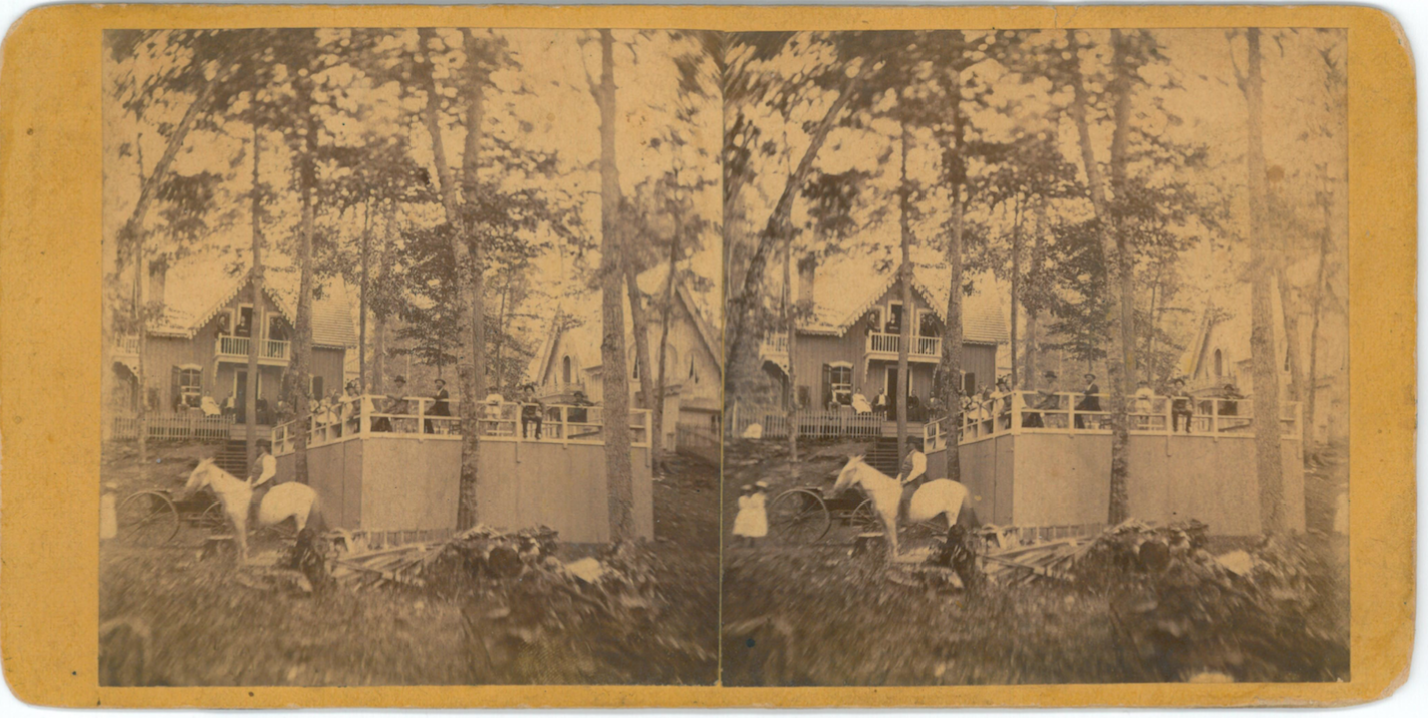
1037	352
413	362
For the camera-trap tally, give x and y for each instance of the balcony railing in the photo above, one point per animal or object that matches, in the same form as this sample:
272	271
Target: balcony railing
234	347
412	417
127	344
885	343
774	344
1025	412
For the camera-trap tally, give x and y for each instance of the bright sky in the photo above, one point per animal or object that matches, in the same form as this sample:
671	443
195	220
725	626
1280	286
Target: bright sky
545	104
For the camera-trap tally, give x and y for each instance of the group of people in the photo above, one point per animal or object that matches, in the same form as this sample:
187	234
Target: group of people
532	410
1088	408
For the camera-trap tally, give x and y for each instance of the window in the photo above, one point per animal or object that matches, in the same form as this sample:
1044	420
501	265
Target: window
635	370
875	319
277	328
187	385
693	372
565	369
928	325
969	383
1219	364
316	386
894	325
243	324
803	396
225	323
838	383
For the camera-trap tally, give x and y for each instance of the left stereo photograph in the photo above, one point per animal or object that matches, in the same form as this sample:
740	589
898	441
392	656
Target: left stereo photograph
412	357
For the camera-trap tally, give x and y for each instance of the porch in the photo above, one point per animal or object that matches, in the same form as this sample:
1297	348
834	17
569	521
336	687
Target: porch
885	346
397	468
1037	462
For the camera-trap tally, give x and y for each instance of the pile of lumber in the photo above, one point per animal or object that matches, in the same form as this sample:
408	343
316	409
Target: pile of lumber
399	564
1049	559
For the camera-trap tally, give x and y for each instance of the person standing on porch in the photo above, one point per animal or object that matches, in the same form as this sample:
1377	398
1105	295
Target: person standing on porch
441	405
531	411
1090	401
880	402
1181	405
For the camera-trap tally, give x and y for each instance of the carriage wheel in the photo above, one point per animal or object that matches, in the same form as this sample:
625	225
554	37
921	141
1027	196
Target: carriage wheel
212	520
799	516
147	518
865	519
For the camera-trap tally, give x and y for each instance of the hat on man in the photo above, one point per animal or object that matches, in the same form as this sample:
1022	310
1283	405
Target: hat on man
440	382
1090	376
399	379
761	484
1049	375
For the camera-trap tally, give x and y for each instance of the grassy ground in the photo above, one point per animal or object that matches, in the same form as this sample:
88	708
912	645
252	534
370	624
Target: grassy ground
818	615
210	625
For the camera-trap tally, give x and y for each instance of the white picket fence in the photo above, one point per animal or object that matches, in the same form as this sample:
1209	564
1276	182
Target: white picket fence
811	423
174	427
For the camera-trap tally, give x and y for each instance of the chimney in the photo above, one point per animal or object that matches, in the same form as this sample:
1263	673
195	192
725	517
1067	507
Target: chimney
158	273
807	268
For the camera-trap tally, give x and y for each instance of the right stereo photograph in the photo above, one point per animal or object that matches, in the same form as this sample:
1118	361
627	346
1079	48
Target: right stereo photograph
1036	356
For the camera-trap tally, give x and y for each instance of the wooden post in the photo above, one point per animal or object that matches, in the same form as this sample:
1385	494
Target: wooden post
421	419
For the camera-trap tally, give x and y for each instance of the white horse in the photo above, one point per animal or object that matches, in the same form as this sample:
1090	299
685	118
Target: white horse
284	501
935	498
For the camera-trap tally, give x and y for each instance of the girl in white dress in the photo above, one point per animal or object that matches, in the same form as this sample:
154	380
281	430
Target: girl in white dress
752	522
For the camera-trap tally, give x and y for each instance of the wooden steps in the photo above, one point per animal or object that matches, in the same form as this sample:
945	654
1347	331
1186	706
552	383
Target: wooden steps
232	456
882	454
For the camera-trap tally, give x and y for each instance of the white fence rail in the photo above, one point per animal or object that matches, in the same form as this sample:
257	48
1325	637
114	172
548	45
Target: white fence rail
419	418
884	343
229	346
811	423
1025	412
174	427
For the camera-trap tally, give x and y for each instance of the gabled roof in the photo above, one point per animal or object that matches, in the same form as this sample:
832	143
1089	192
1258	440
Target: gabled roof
835	309
198	288
582	328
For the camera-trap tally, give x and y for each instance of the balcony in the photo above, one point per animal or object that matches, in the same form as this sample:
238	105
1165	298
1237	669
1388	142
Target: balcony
126	345
774	348
882	345
232	348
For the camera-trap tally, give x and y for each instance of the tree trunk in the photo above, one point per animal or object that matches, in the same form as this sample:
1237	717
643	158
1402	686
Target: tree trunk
1311	398
499	380
750	294
467	277
667	308
362	299
302	346
791	389
612	344
1290	308
255	272
472	293
1114	256
952	333
905	279
1016	293
642	348
377	381
1032	351
1263	354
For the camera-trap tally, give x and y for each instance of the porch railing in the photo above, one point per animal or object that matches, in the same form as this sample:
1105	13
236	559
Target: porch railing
885	343
774	343
174	427
127	344
229	346
811	423
412	417
1024	412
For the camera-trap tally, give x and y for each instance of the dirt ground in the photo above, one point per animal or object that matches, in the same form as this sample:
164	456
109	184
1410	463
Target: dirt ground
207	625
820	615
